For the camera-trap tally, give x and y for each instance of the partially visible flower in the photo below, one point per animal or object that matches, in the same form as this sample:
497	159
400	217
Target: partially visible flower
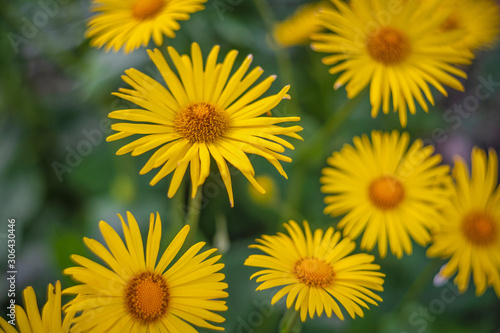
28	319
138	293
316	271
477	22
297	29
398	55
470	232
205	113
387	190
133	23
269	185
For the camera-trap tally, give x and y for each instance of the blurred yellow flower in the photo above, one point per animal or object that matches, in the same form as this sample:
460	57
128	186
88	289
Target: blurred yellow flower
269	185
316	271
132	23
204	113
29	320
297	29
470	233
477	22
138	293
393	49
389	190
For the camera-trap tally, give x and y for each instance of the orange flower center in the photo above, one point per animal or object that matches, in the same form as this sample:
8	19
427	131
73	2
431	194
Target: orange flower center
451	23
201	122
388	46
147	9
386	192
147	297
313	272
479	228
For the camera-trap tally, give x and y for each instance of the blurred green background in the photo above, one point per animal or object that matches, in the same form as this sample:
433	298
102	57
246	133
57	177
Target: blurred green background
59	178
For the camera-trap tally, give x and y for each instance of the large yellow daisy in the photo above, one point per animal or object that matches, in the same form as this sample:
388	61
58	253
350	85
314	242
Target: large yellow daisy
28	319
297	29
394	48
138	293
316	271
204	113
132	23
477	21
390	191
470	233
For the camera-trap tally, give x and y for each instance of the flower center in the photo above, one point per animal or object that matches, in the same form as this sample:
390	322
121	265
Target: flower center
201	122
147	9
386	192
452	22
479	228
388	46
147	297
313	272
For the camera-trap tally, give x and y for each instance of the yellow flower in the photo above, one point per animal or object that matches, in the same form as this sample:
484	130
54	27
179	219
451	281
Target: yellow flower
390	191
470	233
393	48
204	113
134	22
138	293
297	29
316	271
477	21
29	320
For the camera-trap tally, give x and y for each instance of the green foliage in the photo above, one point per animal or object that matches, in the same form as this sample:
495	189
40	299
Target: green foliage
55	95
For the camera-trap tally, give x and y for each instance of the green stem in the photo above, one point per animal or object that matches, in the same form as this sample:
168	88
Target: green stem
283	58
309	153
193	216
420	283
290	323
177	212
266	13
332	125
221	239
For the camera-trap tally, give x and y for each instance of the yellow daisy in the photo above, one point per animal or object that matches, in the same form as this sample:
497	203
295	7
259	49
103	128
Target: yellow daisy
478	21
297	29
316	271
470	233
138	293
132	23
394	49
389	190
204	113
29	320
